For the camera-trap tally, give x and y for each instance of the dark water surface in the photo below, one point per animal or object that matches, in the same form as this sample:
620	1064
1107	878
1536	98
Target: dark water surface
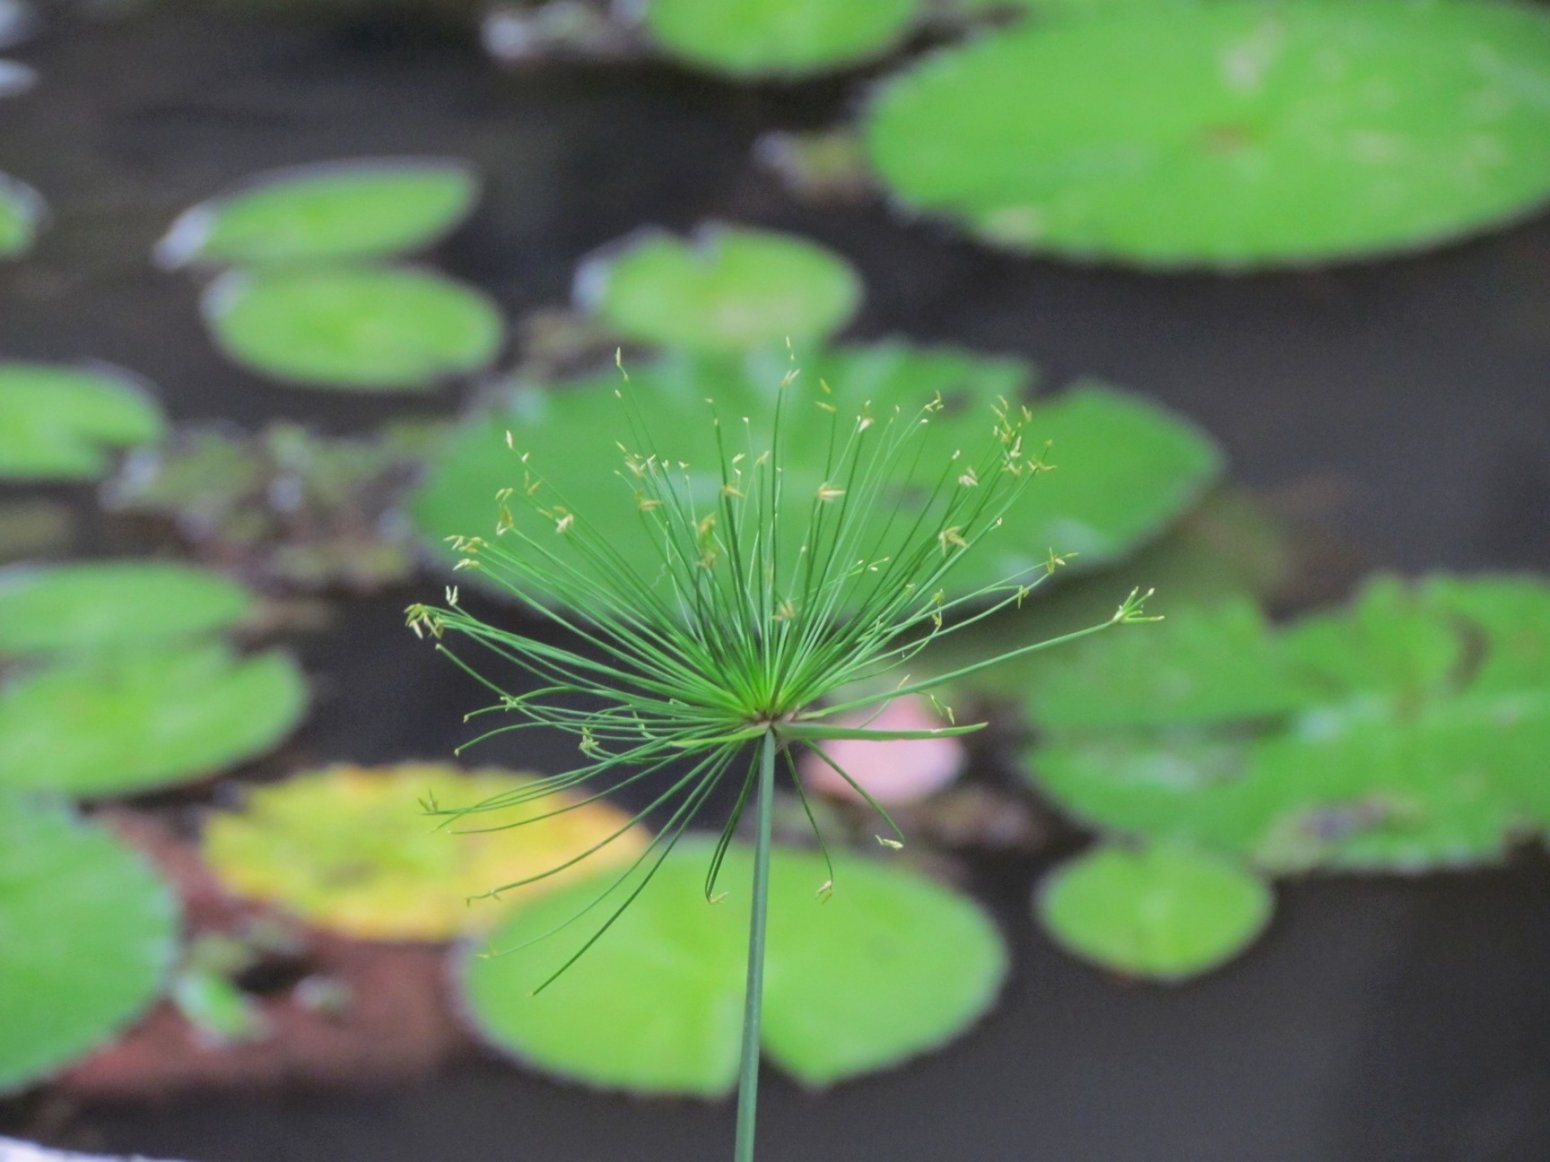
1407	402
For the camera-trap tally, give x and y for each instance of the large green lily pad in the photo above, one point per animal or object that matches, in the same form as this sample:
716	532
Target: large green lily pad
87	935
778	38
1126	467
724	290
1408	732
362	328
130	722
351	849
1230	134
336	210
1167	913
889	966
22	211
61	423
112	604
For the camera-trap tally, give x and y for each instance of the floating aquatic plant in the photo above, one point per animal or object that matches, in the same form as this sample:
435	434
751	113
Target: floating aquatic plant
726	289
348	848
89	605
1312	131
891	966
776	38
1405	733
766	593
1162	912
285	506
127	722
367	328
61	422
22	212
90	933
1126	468
368	208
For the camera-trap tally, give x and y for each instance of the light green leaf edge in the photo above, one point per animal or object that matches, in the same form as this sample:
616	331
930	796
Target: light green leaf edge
88	605
722	290
365	208
1165	913
61	421
353	327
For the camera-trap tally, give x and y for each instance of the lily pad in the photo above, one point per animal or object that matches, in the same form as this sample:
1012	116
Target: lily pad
725	290
777	38
1165	913
1402	734
131	722
88	932
112	604
345	209
22	212
1232	134
1126	467
61	423
888	967
352	850
362	328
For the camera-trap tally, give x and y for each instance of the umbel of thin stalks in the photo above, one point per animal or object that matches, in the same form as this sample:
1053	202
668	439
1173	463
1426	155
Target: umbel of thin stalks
728	642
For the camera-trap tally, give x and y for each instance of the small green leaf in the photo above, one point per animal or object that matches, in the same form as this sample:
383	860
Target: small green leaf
87	934
888	967
125	723
353	327
59	422
1233	134
724	290
779	38
111	604
1160	912
22	213
344	209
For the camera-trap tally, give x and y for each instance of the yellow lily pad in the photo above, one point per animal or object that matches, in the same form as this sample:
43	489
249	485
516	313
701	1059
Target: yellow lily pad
352	850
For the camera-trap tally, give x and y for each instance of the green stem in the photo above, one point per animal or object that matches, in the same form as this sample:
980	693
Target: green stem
753	999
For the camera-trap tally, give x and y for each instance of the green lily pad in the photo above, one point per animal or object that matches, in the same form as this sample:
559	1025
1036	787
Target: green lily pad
112	604
362	328
1126	467
1232	134
1388	737
346	209
88	932
724	290
22	212
777	38
888	967
350	849
1160	912
61	423
130	722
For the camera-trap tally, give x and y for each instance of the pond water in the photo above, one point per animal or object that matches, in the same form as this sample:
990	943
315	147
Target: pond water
1404	405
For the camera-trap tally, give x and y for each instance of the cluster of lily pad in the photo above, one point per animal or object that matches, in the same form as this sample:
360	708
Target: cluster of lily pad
115	679
306	294
1196	133
1405	733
